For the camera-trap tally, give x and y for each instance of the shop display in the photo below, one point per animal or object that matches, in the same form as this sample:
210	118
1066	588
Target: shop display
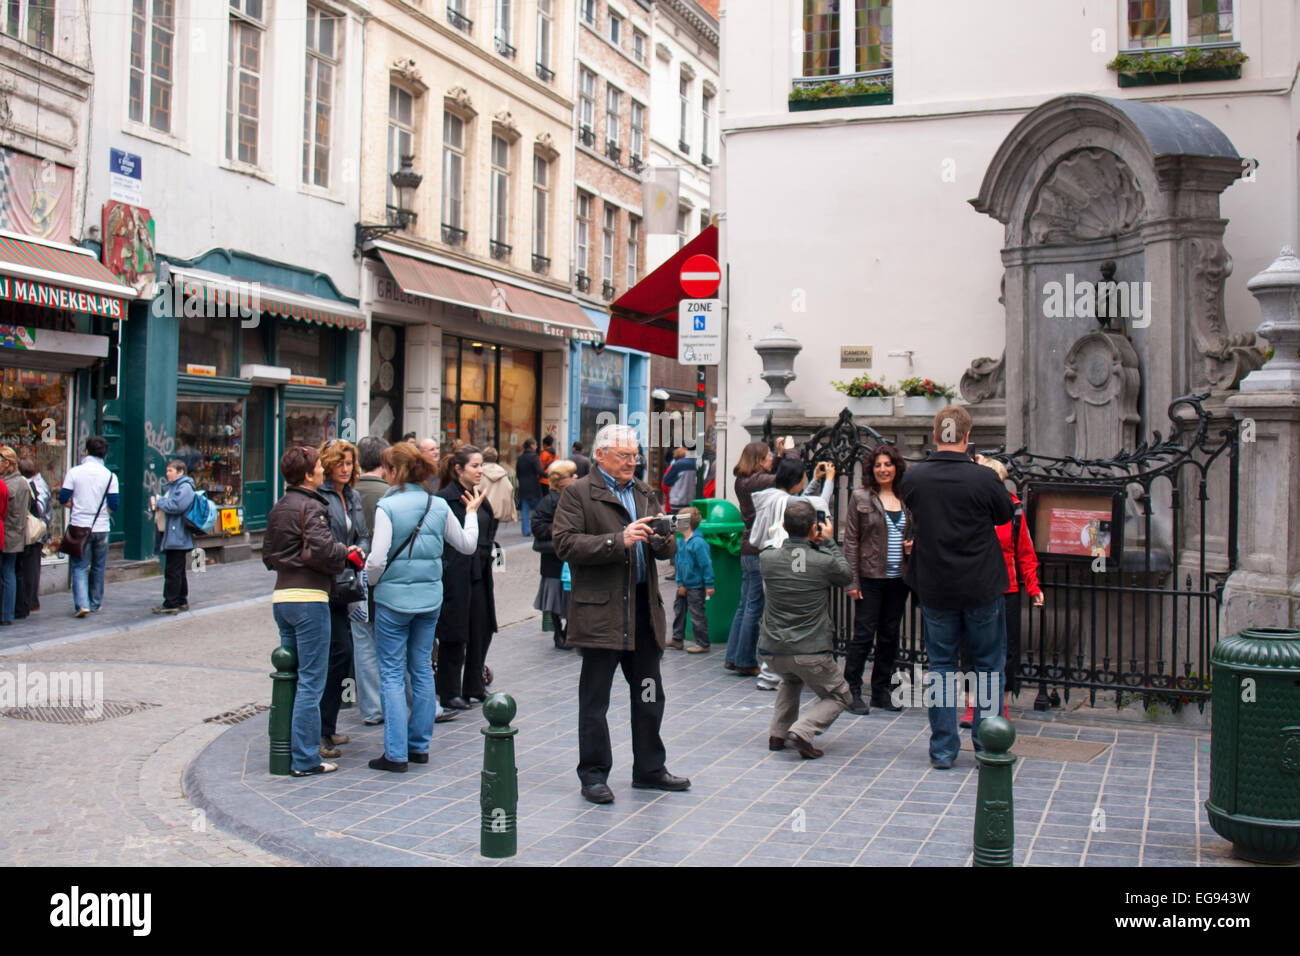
33	421
309	424
210	440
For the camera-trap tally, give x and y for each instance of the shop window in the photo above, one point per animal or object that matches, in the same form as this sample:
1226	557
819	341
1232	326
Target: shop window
210	440
310	424
306	351
518	401
475	409
207	345
34	423
253	346
600	390
386	382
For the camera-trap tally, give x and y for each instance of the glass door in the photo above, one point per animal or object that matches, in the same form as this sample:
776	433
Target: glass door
259	448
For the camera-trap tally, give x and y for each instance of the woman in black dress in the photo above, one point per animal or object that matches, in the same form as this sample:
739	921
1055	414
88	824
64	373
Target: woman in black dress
469	615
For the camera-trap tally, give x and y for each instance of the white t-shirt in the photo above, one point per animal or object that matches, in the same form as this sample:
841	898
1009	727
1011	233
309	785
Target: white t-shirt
87	482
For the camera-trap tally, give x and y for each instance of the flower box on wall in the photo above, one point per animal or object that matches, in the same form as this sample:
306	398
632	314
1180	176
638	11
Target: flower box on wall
871	406
924	405
1205	75
837	102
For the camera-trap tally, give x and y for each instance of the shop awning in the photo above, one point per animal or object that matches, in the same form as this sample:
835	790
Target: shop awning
497	302
54	276
645	316
235	297
599	317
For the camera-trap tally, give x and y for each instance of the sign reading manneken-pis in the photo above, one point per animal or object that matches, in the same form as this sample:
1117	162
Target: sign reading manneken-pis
699	332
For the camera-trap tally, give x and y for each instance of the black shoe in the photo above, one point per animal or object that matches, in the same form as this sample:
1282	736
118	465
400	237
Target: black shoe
383	763
662	781
884	703
418	758
775	743
445	715
457	703
561	642
858	706
597	793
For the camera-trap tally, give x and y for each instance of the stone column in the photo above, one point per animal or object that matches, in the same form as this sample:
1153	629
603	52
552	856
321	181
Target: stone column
1265	588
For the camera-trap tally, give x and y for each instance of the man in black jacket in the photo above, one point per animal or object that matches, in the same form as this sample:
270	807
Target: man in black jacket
959	575
528	470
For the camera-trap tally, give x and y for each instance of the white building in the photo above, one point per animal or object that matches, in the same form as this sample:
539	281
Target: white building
853	225
684	112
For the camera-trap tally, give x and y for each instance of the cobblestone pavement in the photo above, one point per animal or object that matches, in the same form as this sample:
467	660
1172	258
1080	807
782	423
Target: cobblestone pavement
162	786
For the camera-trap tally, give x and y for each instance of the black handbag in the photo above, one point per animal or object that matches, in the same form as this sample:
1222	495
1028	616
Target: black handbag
348	588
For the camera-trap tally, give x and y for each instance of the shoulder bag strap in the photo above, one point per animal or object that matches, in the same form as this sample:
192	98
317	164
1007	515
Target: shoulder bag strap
408	545
101	501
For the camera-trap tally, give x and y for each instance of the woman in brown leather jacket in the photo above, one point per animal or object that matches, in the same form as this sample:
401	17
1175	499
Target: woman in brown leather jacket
305	556
877	540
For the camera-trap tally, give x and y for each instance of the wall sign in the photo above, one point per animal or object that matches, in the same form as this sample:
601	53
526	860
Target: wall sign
855	356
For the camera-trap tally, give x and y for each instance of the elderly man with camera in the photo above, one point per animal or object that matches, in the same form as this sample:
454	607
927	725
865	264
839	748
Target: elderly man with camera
796	634
608	528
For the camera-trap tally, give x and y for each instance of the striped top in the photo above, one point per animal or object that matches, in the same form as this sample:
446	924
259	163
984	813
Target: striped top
895	525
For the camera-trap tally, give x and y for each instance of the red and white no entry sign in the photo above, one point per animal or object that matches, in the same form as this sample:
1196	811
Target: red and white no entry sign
701	276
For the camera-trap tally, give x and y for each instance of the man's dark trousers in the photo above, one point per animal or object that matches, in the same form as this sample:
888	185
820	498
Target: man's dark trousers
595	757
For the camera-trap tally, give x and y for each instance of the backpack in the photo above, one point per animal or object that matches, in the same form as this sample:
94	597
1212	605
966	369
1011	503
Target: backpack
202	516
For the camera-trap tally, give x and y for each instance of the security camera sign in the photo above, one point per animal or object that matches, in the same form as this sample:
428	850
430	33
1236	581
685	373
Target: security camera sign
699	332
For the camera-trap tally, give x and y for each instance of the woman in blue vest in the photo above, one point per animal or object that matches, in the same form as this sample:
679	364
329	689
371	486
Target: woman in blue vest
405	571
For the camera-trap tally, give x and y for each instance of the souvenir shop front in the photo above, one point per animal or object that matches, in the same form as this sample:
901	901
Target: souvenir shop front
60	315
251	358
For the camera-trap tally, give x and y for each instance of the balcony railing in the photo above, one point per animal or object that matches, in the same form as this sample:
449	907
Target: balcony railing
684	146
545	73
500	250
583	282
541	264
504	48
459	20
607	289
453	235
635	163
586	136
704	159
612	150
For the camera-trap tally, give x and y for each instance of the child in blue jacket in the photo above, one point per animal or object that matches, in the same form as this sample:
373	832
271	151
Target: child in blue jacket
694	585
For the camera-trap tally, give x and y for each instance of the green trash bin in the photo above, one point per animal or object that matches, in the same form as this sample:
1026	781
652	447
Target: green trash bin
1255	744
722	528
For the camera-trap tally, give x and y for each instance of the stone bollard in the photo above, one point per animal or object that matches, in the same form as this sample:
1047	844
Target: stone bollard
499	796
280	725
995	820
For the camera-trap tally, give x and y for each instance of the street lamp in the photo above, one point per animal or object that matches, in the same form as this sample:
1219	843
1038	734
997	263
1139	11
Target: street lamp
406	181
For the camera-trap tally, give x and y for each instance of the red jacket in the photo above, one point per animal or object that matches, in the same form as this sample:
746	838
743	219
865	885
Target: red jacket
1025	570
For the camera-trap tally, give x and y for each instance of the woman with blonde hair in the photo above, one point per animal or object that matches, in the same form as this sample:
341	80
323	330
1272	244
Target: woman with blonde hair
338	458
551	597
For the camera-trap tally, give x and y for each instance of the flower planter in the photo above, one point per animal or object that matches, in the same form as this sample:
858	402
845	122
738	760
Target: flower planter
873	406
923	405
836	102
1202	75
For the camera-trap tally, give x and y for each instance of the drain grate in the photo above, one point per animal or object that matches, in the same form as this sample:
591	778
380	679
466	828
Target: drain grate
239	714
78	715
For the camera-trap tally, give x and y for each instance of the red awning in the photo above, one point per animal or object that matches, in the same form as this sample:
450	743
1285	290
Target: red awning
50	274
645	316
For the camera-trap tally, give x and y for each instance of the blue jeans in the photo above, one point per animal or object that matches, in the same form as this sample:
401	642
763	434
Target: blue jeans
405	645
94	559
985	628
306	628
742	643
9	581
365	665
526	506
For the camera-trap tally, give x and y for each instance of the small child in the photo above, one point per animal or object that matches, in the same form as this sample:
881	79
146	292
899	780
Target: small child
694	585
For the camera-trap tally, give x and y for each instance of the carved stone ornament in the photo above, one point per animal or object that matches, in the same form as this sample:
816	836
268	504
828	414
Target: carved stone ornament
985	379
458	101
504	123
405	68
1228	358
1102	380
1090	194
546	148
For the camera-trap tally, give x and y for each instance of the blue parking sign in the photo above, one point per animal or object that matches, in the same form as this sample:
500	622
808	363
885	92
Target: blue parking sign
699	323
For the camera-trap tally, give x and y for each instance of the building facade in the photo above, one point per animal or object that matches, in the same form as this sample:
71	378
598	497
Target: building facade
224	168
849	218
468	288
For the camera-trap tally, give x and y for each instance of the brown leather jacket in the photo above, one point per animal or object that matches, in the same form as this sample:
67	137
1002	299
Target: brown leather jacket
865	538
301	518
588	533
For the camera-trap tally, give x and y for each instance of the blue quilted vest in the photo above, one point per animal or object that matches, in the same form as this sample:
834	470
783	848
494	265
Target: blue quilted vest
412	582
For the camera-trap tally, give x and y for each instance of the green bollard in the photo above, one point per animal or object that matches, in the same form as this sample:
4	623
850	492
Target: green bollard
280	726
995	820
499	796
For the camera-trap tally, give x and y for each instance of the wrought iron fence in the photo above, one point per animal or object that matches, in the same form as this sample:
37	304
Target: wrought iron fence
1138	618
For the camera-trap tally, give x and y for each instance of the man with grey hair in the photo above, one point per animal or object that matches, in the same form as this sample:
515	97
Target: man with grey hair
604	528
